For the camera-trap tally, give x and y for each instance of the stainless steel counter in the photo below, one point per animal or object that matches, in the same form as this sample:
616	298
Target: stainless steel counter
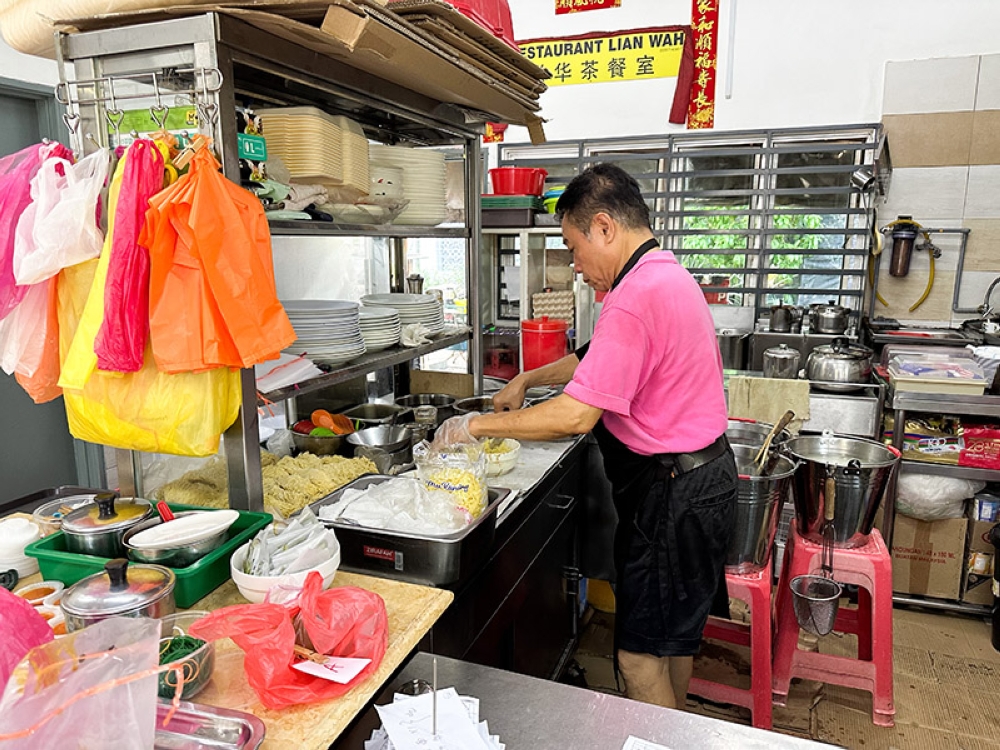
533	714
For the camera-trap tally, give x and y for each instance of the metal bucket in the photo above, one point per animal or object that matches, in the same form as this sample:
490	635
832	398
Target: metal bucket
758	508
860	468
749	432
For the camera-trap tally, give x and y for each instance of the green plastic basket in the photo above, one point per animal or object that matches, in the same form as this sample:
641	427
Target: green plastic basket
193	582
533	202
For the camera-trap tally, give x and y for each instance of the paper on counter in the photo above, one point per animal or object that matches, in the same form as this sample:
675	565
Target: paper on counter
634	743
339	669
287	370
408	724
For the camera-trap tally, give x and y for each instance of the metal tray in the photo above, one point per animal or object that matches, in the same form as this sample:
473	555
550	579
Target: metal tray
429	560
195	726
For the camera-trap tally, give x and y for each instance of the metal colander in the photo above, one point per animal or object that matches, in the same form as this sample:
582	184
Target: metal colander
816	600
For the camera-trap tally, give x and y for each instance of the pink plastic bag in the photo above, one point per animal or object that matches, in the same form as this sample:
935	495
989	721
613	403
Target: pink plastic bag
23	629
121	340
95	688
343	621
58	229
16	172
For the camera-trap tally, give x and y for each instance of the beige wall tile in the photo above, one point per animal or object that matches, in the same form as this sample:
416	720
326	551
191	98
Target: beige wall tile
985	147
902	292
983	251
975	284
926	191
982	201
937	139
942	84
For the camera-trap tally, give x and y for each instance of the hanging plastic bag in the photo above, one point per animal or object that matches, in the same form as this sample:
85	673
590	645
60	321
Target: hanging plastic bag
59	228
43	384
16	172
22	333
213	299
23	629
344	621
121	340
95	688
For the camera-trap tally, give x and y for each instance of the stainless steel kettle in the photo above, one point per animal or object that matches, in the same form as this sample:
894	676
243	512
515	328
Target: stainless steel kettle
781	319
781	362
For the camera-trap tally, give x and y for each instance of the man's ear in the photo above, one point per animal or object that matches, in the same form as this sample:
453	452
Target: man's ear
604	226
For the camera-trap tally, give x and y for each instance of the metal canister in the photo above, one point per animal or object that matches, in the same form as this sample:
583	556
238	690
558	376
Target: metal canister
781	362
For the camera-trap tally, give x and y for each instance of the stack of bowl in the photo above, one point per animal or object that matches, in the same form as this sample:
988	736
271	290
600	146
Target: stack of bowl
15	534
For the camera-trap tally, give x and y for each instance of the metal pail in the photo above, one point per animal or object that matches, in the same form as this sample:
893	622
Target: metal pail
758	508
860	468
750	432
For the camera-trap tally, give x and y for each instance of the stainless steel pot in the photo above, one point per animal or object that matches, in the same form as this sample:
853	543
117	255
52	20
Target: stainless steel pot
445	404
99	527
749	432
860	468
121	590
781	319
370	415
829	319
482	404
758	507
781	362
831	366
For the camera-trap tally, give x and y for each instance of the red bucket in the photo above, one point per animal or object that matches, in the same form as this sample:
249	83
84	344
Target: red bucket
518	180
543	340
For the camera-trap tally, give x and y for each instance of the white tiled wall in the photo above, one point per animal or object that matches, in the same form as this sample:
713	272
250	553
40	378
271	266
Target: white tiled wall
988	90
944	84
927	193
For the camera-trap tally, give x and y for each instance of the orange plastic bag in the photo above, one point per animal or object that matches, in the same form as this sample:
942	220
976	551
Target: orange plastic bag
43	384
344	621
213	299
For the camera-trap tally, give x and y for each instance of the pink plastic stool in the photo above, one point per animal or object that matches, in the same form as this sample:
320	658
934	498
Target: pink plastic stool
870	568
755	590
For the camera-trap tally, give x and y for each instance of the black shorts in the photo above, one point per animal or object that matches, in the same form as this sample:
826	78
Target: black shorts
671	558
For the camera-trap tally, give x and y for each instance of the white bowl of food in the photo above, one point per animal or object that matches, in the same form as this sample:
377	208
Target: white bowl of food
255	588
501	456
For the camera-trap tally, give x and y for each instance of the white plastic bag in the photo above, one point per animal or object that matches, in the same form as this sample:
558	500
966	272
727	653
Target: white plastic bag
59	227
931	498
23	332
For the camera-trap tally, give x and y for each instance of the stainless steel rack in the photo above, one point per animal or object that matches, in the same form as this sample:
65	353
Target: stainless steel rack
239	62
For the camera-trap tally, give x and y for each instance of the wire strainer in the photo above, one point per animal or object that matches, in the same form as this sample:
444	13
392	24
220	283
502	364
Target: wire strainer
817	598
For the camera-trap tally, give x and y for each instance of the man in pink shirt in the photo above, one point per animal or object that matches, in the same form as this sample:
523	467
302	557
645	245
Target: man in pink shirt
649	386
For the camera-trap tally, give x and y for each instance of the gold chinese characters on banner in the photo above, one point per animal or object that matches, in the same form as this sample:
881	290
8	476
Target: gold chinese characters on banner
575	6
600	58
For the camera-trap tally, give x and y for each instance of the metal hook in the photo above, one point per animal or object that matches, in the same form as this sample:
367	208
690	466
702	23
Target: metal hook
72	122
114	115
158	111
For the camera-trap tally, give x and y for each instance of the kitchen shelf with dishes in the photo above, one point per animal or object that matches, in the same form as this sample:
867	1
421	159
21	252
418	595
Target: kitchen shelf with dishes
307	78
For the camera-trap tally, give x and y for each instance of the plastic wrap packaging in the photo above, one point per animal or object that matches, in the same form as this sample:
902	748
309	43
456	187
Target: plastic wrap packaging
931	498
458	470
400	504
95	688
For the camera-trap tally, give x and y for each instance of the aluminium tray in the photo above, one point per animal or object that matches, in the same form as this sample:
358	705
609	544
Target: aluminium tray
195	726
443	560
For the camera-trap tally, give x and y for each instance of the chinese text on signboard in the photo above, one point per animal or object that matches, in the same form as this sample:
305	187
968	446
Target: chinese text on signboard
573	6
598	58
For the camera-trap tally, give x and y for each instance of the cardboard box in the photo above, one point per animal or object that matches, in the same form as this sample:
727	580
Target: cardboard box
977	583
928	557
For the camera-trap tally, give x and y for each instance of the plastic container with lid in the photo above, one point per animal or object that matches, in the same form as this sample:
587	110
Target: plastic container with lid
98	528
136	590
543	341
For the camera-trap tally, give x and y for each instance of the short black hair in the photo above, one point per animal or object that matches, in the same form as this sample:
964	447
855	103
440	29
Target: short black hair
603	187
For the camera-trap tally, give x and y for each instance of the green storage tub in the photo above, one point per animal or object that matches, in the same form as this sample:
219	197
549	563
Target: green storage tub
193	582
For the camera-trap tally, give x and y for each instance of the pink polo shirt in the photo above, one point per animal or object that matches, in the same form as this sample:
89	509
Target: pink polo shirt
653	365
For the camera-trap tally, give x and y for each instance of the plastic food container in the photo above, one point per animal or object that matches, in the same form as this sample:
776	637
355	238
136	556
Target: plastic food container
543	340
502	461
195	667
518	180
42	593
255	588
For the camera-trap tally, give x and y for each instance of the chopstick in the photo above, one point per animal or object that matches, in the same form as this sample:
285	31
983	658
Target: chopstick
309	655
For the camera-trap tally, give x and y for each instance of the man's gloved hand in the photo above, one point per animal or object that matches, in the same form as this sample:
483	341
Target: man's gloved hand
454	431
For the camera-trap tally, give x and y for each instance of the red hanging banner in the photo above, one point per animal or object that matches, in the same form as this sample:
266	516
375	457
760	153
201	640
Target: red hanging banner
494	132
575	6
705	35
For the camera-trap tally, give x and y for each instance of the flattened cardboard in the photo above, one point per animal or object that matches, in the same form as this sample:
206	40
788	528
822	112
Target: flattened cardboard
978	588
457	384
928	557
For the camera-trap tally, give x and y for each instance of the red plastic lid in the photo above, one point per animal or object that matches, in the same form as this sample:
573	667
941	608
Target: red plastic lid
545	324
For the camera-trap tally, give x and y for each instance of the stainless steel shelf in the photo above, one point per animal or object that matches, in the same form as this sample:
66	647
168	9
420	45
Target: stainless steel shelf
979	610
328	229
365	364
950	470
987	406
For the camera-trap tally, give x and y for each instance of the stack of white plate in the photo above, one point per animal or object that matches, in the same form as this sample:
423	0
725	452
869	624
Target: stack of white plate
327	331
319	148
380	327
423	182
412	308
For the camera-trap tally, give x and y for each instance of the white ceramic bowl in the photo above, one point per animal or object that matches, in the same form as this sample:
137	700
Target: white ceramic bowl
255	588
501	463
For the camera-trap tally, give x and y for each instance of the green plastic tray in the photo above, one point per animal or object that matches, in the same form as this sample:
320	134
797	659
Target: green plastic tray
512	201
193	582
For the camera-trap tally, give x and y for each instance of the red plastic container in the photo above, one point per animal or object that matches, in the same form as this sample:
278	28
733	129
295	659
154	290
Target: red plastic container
492	15
543	340
518	180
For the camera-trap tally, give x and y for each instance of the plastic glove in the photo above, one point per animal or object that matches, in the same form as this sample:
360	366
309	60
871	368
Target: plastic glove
454	432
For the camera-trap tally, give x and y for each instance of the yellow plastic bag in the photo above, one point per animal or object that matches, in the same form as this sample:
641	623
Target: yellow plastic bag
184	414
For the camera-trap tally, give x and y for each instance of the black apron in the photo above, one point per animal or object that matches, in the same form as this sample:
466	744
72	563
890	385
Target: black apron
632	476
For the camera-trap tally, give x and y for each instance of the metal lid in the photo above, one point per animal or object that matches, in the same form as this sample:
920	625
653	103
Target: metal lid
107	513
782	352
120	588
842	349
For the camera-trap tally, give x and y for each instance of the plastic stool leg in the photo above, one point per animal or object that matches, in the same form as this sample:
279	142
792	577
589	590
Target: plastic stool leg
760	656
786	636
864	624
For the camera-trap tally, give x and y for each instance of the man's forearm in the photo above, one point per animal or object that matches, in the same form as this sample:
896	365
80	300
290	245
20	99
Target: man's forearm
559	372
